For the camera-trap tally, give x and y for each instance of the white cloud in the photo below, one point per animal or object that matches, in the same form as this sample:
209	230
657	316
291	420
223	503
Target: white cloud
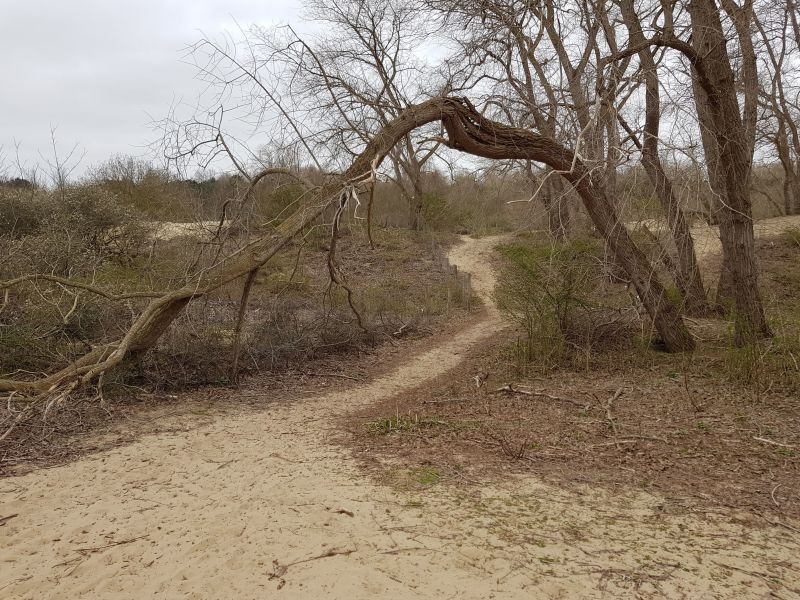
99	70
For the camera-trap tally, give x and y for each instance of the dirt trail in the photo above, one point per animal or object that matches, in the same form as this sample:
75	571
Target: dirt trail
257	503
706	238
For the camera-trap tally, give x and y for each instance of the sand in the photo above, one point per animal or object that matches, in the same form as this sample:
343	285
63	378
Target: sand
265	505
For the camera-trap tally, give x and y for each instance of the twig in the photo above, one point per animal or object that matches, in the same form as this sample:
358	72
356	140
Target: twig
410	549
4	520
15	422
480	379
562	399
765	577
111	545
312	374
400	331
772	494
609	416
614	443
279	570
513	389
777	523
766	441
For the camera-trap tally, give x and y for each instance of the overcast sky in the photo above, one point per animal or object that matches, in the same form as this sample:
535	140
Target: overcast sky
100	70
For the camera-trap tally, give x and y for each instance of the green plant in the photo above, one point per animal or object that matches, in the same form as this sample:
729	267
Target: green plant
792	235
399	423
426	476
438	214
545	288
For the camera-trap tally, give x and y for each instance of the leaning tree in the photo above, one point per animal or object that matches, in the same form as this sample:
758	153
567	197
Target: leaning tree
466	130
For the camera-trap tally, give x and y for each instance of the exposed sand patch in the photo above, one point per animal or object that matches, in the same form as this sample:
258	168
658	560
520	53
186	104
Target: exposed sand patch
203	514
706	238
170	230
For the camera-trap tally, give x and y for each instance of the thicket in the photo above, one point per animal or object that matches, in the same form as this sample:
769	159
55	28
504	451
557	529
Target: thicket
97	237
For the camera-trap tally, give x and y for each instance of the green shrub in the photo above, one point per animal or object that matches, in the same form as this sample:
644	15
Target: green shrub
439	215
792	235
550	290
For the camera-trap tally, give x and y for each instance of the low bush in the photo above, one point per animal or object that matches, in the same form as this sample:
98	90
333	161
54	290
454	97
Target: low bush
557	292
21	212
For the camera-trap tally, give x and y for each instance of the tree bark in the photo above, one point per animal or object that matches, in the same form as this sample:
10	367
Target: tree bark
555	198
733	174
687	271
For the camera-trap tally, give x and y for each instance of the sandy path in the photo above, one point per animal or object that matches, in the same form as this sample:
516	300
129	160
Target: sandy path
706	239
204	513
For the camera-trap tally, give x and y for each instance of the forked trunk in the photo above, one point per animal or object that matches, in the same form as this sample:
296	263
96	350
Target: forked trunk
730	177
687	272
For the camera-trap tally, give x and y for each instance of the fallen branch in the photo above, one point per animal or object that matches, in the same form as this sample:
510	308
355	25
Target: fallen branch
513	389
279	570
4	520
772	443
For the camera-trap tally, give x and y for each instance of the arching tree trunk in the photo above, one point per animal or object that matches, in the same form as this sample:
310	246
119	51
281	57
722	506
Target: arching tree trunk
467	131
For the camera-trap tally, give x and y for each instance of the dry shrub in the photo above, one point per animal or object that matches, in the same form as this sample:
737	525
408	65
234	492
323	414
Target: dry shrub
81	233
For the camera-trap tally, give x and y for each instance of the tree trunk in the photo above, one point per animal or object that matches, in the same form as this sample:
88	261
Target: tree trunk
687	272
791	182
733	172
482	137
555	199
415	205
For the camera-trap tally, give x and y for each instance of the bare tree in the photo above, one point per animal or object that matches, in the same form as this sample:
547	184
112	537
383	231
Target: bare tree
733	138
728	145
357	76
781	127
